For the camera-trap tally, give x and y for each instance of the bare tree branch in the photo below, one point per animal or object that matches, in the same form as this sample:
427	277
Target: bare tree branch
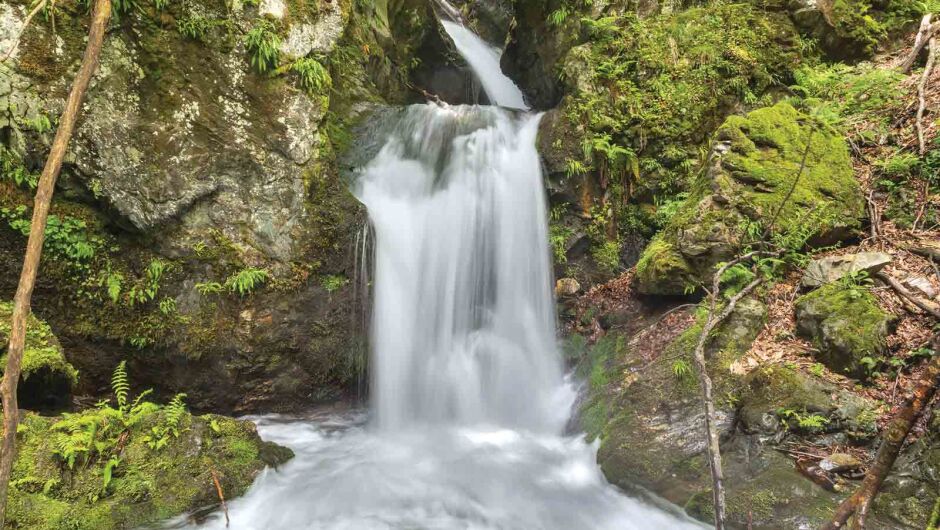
37	232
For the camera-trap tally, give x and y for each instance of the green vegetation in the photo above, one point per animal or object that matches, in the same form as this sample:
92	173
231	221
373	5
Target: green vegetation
246	280
263	44
314	77
127	464
43	358
333	282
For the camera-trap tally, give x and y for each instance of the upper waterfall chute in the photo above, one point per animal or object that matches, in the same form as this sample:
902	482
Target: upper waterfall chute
484	58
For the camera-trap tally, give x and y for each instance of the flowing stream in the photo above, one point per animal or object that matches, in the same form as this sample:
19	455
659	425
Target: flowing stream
469	397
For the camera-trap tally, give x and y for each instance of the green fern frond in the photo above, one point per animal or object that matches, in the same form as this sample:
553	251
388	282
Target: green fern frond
120	385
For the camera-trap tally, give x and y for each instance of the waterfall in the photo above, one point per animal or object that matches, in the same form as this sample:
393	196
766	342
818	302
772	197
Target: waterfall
468	394
463	320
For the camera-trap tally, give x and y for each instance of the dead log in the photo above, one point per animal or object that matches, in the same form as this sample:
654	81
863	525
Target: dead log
893	437
923	35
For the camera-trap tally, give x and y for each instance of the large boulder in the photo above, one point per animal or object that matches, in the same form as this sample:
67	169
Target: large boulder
847	325
190	171
756	181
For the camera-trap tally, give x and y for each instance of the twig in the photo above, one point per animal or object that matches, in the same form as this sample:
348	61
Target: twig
914	299
218	489
921	95
16	39
923	35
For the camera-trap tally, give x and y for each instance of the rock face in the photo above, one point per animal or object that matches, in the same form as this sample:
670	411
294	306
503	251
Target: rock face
754	180
826	270
191	173
847	325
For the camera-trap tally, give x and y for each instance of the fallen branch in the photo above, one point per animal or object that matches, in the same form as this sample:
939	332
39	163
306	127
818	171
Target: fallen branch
218	489
922	95
914	299
923	35
713	320
895	433
37	233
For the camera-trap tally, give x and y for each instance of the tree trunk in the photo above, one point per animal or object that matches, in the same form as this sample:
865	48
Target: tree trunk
24	291
892	441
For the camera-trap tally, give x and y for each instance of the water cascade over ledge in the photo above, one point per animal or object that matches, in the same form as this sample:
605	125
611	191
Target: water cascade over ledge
469	398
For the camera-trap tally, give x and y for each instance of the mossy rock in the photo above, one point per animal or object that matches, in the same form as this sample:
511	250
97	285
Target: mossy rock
757	182
47	378
847	325
147	484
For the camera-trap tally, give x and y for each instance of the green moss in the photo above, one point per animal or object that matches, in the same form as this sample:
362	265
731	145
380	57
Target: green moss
663	270
43	355
147	485
757	183
846	324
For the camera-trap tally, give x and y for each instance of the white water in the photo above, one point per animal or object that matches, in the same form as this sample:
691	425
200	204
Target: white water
483	58
468	396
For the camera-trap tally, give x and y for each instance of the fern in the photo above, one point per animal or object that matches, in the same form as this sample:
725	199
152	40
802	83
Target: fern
175	412
263	44
246	280
120	386
108	472
208	288
314	78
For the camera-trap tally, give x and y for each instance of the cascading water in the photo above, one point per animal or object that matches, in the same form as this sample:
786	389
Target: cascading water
468	394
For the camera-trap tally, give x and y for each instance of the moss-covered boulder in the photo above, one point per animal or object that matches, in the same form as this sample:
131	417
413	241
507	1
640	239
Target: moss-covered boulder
104	469
756	183
845	322
47	378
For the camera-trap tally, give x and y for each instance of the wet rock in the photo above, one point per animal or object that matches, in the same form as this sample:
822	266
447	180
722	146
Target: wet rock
830	269
847	325
840	463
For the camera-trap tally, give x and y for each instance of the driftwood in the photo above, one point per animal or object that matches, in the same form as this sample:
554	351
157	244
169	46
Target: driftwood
708	401
909	296
893	438
922	95
37	232
924	34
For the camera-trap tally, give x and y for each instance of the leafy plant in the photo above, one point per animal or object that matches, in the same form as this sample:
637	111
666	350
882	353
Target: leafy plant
314	77
263	44
208	288
333	282
681	370
12	169
558	17
194	27
246	280
168	306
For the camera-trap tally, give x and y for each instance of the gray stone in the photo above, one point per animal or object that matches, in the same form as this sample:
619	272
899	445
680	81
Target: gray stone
830	269
319	37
